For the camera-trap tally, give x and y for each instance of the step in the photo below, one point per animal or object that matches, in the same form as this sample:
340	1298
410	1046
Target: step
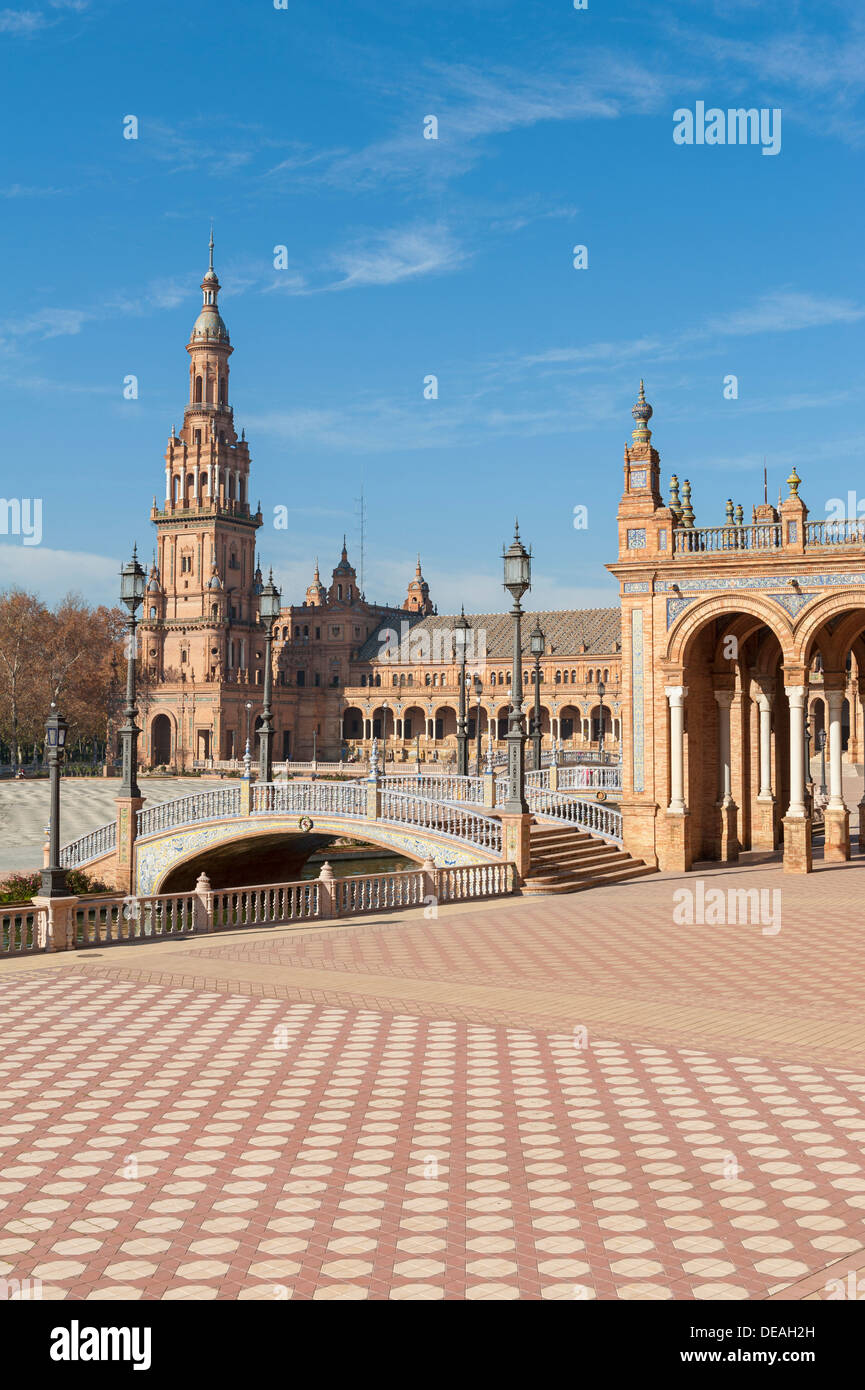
569	856
577	871
636	869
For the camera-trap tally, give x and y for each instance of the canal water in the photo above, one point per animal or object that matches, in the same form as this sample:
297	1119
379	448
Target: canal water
354	865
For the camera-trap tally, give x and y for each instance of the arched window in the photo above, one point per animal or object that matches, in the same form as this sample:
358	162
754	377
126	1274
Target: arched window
558	678
363	680
214	611
573	678
492	677
339	591
378	680
394	680
222	390
198	391
566	678
152	611
606	674
410	678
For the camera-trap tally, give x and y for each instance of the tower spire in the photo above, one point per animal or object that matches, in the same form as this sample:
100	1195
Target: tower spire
211	245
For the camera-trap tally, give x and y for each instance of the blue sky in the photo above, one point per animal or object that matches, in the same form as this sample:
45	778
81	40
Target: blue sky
407	257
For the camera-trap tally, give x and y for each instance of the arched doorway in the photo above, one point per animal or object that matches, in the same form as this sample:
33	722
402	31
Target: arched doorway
160	741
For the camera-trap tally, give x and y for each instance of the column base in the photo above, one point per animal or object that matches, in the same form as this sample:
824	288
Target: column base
837	822
797	845
56	922
763	824
727	838
674	842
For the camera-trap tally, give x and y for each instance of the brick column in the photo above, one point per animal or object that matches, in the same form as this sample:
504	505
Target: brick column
127	831
836	815
515	838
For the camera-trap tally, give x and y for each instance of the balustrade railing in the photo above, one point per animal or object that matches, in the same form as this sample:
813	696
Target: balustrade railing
19	931
441	786
474	881
104	920
268	905
847	532
378	892
219	803
597	819
717	539
590	778
443	818
88	847
304	798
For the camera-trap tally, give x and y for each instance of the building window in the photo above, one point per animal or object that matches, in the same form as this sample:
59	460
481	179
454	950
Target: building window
316	680
186	564
334	632
301	678
318	634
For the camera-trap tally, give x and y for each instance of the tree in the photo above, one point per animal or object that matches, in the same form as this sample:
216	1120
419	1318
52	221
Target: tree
24	622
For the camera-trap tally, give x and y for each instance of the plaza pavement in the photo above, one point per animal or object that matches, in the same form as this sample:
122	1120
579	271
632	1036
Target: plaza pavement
551	1098
86	803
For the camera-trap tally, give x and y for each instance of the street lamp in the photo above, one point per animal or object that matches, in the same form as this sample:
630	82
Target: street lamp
268	612
537	642
479	690
518	578
247	757
132	587
821	744
54	877
602	689
463	627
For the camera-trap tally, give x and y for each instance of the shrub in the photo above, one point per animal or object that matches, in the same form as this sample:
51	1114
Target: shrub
19	888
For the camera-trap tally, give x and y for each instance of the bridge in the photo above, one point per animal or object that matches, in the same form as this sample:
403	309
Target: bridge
450	820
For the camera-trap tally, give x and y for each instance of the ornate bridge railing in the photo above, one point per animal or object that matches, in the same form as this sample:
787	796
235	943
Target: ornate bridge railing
438	786
443	818
576	811
88	847
221	802
299	798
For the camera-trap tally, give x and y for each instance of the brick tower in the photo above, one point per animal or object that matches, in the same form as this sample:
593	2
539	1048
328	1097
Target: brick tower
198	631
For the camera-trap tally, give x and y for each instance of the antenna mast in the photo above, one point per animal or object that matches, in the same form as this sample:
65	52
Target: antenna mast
360	504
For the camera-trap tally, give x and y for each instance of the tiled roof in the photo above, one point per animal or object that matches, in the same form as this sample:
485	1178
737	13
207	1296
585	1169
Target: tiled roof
567	629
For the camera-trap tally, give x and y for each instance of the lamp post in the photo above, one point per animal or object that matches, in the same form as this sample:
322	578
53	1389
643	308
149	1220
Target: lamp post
538	646
54	877
132	586
479	690
384	708
268	612
821	744
417	753
247	756
463	627
518	578
602	690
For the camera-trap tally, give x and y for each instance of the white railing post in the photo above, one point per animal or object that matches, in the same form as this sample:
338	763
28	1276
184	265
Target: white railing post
326	906
203	906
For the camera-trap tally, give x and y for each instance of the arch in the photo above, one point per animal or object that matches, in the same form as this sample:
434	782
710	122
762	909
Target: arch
352	722
848	605
160	740
198	397
703	611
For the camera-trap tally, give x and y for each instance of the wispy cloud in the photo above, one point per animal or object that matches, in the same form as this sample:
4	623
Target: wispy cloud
22	190
28	23
786	311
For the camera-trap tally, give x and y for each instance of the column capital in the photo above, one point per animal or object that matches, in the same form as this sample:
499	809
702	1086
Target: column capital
675	693
795	694
725	698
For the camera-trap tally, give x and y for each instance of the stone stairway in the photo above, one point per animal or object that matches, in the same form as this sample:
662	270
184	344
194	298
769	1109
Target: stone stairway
566	861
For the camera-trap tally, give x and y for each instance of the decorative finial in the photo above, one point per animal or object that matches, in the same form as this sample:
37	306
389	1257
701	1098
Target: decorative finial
793	482
675	502
740	514
642	413
211	244
687	509
729	521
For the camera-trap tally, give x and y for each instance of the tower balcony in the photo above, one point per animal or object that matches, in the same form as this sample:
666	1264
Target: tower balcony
226	509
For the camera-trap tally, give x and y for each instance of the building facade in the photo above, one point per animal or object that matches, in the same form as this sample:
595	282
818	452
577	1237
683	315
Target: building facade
741	645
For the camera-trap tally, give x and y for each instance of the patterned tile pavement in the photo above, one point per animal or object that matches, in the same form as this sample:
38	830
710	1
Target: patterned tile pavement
177	1121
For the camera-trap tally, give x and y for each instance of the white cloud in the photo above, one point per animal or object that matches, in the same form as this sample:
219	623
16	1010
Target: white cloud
786	311
53	573
399	254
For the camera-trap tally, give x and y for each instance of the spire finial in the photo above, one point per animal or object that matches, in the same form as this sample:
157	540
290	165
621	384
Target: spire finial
211	244
642	413
793	482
